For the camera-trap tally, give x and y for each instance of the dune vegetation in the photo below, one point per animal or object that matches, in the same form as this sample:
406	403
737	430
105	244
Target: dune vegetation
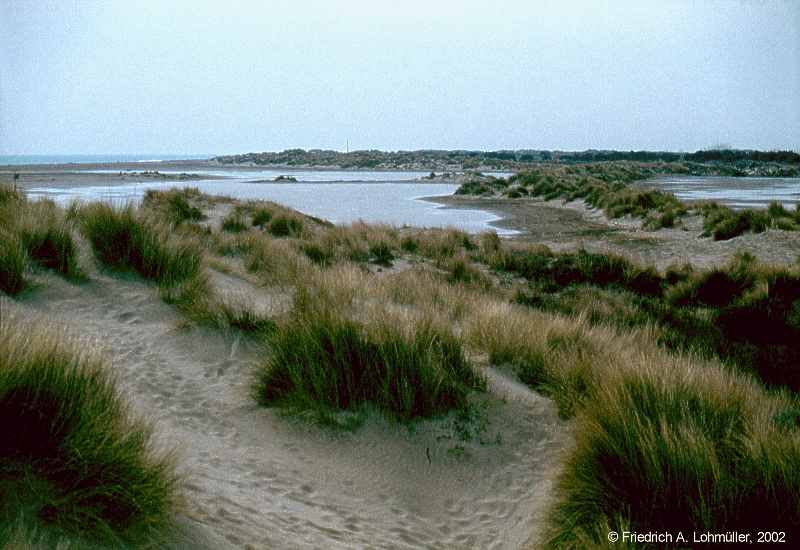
682	384
606	186
321	358
34	235
75	462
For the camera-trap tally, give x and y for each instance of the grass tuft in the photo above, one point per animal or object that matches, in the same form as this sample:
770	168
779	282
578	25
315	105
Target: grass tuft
285	226
261	217
321	360
13	260
666	452
234	223
66	429
123	239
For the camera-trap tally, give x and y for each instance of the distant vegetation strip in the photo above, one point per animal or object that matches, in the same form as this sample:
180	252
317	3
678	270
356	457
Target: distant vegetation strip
607	186
726	162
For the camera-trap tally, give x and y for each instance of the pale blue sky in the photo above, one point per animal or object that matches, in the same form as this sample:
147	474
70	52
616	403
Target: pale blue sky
222	77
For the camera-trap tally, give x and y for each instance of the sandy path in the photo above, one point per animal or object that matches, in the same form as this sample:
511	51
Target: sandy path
261	480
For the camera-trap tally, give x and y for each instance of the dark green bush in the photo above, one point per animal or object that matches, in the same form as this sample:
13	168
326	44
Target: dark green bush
409	244
50	244
285	226
181	211
381	253
762	332
717	287
317	254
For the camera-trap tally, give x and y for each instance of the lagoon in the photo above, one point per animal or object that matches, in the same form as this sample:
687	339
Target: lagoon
395	203
737	193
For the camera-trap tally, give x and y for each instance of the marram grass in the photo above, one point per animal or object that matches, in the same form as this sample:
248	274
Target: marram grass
320	359
70	448
123	238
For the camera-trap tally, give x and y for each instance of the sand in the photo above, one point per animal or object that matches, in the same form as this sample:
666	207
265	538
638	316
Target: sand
565	226
255	478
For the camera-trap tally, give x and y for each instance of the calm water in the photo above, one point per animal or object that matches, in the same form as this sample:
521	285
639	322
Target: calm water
267	176
734	192
392	203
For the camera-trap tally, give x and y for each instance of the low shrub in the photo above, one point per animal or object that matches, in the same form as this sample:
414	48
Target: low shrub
181	211
461	270
70	443
45	235
10	195
409	244
761	332
554	271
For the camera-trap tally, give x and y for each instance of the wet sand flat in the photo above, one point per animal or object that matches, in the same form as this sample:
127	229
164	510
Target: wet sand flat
564	226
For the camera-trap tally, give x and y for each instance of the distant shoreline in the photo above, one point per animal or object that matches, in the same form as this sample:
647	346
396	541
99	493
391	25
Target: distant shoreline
190	164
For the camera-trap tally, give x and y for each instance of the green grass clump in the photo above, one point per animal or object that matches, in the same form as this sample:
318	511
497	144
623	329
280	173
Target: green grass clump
317	254
175	204
13	261
381	253
409	244
123	239
553	271
462	271
181	211
717	287
9	194
234	223
723	223
285	226
321	361
659	452
45	235
69	445
761	331
49	242
261	217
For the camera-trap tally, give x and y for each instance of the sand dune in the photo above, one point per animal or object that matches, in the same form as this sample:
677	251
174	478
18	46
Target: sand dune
257	479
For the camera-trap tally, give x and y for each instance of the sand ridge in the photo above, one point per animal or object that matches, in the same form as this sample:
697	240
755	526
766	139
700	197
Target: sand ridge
257	479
